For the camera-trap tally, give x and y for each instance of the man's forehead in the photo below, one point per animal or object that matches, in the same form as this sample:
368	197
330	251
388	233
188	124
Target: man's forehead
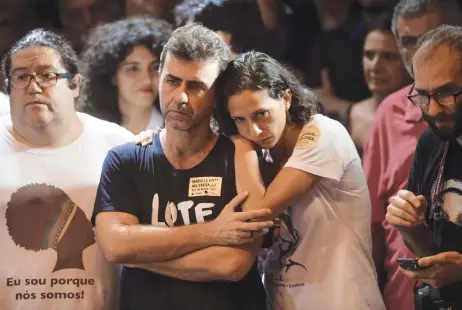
437	66
380	40
34	57
191	70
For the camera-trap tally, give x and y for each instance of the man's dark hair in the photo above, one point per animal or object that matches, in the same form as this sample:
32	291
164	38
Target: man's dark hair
109	45
46	38
409	8
448	35
240	18
195	42
257	71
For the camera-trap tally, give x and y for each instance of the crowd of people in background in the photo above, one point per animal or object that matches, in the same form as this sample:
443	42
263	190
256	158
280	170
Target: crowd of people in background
313	108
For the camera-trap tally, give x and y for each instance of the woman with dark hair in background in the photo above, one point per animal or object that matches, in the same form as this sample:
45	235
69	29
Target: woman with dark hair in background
120	63
384	73
321	256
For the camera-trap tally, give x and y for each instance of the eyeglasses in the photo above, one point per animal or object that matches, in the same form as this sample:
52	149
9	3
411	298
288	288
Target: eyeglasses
443	99
44	80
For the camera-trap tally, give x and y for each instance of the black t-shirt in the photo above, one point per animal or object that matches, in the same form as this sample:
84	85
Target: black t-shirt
424	171
141	181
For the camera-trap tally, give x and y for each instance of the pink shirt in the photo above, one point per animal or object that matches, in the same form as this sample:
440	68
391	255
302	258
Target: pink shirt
387	160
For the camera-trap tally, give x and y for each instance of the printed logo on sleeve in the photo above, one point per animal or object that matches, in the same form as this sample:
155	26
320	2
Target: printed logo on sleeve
205	186
308	137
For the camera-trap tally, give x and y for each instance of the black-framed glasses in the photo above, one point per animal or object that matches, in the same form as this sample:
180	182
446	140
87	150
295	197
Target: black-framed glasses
443	99
44	80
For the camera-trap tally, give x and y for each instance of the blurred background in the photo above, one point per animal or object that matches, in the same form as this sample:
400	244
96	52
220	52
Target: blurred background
322	41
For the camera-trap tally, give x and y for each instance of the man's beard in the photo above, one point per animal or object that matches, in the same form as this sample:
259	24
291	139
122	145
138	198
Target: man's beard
446	133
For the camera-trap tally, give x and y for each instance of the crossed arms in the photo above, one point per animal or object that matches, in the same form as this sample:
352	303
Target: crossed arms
222	249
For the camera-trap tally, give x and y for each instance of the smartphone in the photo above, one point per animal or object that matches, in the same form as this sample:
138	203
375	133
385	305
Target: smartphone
409	264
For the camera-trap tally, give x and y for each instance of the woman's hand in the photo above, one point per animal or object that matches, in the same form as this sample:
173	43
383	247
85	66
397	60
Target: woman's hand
145	137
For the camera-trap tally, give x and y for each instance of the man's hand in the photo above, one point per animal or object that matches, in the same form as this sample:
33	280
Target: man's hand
237	228
445	269
406	210
145	137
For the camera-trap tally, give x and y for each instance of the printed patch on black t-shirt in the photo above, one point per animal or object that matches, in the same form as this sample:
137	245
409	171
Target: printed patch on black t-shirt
205	186
453	201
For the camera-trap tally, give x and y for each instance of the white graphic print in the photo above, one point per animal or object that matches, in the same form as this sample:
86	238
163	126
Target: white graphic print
453	201
171	212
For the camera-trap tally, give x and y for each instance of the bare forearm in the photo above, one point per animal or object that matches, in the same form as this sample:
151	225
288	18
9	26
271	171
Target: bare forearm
288	185
148	244
170	269
419	240
248	177
216	263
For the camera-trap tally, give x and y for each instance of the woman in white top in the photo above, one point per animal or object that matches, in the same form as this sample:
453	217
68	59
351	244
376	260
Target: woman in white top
321	254
120	64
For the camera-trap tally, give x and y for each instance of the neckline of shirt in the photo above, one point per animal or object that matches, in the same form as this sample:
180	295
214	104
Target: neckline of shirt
23	148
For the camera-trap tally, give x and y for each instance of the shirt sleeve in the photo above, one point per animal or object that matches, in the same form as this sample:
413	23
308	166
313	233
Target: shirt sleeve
117	188
317	151
375	160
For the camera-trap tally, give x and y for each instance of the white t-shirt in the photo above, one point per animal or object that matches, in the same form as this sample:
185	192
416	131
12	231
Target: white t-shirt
322	255
49	259
4	104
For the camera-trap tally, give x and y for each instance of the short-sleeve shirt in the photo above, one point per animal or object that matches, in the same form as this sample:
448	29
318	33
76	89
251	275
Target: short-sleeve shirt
49	259
4	104
387	160
322	257
427	159
142	182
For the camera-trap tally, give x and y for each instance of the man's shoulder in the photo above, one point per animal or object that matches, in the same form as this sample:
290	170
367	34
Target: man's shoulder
109	133
394	100
225	142
429	141
224	145
325	126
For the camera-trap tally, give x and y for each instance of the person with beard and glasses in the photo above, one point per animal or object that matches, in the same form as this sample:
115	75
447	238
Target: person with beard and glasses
428	214
390	146
51	159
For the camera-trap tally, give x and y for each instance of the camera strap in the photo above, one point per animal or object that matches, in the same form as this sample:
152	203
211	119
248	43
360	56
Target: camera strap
437	187
435	214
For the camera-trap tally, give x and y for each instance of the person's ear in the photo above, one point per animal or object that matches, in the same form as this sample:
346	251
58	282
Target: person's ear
287	98
75	83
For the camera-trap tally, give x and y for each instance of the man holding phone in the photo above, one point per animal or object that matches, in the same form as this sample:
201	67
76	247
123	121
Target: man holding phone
428	214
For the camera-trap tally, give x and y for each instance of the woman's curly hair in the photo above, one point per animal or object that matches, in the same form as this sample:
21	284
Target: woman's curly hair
107	46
